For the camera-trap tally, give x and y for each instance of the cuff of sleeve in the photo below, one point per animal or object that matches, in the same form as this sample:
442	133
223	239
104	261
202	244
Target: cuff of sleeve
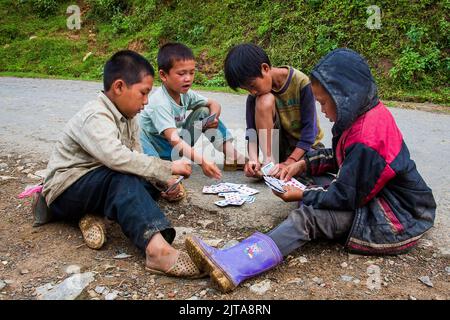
304	145
162	170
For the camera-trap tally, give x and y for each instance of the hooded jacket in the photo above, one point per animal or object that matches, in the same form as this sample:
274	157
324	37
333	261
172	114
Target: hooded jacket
375	174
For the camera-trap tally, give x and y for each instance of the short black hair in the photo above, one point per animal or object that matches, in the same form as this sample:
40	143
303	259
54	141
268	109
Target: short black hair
127	65
171	52
243	64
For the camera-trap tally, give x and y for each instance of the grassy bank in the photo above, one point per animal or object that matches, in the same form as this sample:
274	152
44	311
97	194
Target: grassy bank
408	55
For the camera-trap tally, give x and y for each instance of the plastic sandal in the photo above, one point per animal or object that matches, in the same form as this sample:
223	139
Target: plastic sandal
183	267
93	230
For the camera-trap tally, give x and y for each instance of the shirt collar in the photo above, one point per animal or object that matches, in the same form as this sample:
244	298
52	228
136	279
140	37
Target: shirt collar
111	107
287	82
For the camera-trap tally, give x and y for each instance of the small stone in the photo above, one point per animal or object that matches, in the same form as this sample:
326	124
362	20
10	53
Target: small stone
26	171
32	176
426	281
296	261
99	289
112	296
261	287
6	178
181	216
296	281
317	280
205	223
344	265
3	166
346	278
425	243
171	295
2	284
24	271
447	269
92	294
203	293
69	289
122	256
135	297
41	173
412	298
213	242
194	298
159	296
230	244
356	281
4	262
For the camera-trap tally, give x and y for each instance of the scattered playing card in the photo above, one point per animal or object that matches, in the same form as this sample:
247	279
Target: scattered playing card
235	194
221	203
247	190
266	169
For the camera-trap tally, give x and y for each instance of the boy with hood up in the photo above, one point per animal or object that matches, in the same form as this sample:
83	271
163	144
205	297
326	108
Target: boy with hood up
377	201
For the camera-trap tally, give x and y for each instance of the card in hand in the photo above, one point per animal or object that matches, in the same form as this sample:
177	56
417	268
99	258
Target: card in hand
208	120
295	183
266	169
173	186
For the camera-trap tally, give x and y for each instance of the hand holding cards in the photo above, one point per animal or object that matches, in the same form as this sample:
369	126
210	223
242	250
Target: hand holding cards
207	121
266	169
173	186
278	185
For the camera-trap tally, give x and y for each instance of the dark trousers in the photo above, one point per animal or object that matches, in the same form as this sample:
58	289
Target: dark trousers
127	199
306	223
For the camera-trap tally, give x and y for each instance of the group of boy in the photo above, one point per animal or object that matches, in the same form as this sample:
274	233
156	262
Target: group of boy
109	162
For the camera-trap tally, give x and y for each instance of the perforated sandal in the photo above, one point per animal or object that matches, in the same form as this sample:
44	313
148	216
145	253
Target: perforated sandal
181	195
93	230
183	267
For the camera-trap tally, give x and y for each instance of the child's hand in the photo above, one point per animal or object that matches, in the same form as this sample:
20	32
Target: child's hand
291	194
182	168
211	170
293	169
213	125
252	168
172	193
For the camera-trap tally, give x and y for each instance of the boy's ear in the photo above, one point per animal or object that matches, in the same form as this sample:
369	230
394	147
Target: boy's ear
265	68
118	86
162	75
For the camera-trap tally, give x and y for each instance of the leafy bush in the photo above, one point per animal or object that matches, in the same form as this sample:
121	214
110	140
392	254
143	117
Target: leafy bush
45	8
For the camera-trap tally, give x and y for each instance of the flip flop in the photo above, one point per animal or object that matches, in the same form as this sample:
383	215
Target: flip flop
183	267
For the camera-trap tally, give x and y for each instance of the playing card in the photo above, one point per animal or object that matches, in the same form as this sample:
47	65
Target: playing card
266	169
233	197
221	203
172	187
247	190
209	189
295	183
275	188
208	120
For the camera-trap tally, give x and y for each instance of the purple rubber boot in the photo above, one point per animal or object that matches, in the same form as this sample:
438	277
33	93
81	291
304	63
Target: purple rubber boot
229	267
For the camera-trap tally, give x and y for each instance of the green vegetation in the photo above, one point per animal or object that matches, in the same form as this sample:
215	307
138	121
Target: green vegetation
409	55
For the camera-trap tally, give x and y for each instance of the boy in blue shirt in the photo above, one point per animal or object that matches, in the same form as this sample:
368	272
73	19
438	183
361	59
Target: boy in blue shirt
166	129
